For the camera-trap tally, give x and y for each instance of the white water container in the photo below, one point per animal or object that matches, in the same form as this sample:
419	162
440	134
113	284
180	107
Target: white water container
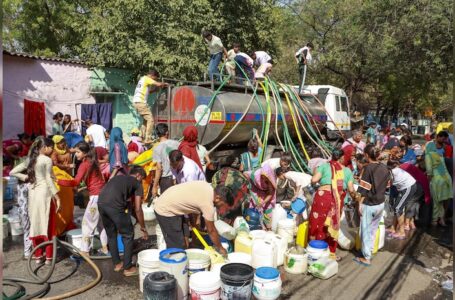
258	234
225	230
161	243
263	254
149	262
281	245
323	268
149	212
278	214
175	262
317	249
267	284
240	257
296	261
240	224
205	285
198	261
286	229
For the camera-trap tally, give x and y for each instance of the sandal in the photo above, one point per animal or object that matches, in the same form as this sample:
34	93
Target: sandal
118	269
131	273
357	260
406	227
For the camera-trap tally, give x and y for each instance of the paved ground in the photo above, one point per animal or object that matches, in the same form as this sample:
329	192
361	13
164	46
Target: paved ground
409	269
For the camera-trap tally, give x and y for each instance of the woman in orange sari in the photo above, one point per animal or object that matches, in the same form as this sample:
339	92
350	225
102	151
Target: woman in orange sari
328	200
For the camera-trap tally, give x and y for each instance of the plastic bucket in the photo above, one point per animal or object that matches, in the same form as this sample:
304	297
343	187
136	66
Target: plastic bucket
149	212
149	262
286	229
236	281
74	237
298	206
295	261
267	283
317	249
175	262
240	257
16	227
198	261
160	285
205	285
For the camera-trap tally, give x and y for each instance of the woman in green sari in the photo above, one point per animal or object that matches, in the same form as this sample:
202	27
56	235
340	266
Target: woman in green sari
440	181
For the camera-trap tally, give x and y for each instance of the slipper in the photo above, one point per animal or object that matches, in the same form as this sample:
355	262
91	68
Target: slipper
118	269
357	260
406	228
128	274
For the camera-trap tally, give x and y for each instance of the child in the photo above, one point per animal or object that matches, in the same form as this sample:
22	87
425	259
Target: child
89	172
251	160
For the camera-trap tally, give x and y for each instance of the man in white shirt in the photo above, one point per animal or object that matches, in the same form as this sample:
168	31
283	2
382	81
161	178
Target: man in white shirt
264	63
183	168
303	58
216	50
96	134
356	141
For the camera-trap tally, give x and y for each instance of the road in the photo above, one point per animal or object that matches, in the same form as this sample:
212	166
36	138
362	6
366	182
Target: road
408	269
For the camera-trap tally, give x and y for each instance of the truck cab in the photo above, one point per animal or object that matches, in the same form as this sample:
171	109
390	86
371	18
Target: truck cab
336	103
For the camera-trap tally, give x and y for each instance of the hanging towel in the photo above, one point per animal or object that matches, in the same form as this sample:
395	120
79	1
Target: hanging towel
99	113
34	118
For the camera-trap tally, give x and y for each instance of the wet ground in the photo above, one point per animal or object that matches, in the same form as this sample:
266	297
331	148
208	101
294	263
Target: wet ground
410	269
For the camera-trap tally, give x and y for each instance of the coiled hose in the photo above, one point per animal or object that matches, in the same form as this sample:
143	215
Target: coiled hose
20	289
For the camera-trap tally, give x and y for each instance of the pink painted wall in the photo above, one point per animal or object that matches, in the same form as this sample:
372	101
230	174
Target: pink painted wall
59	85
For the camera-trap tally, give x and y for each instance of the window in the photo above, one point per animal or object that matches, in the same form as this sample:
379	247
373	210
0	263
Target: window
337	101
104	98
322	94
344	104
309	99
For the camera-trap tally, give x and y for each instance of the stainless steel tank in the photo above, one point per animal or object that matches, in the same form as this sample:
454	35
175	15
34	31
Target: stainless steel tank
189	104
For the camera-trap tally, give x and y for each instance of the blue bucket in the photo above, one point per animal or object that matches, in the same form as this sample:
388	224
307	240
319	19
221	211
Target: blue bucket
298	206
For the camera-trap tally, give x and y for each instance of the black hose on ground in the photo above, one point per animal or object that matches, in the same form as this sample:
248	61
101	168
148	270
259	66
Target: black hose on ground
20	289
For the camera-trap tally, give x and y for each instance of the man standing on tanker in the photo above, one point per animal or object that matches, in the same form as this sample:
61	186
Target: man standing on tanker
148	83
303	58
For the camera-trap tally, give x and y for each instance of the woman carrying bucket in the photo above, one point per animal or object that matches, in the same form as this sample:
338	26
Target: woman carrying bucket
327	206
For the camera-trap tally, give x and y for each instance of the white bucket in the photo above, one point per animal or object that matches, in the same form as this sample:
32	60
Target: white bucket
160	238
240	257
16	227
296	261
149	212
267	284
74	237
205	286
5	228
198	261
216	268
286	229
149	262
175	262
315	253
263	254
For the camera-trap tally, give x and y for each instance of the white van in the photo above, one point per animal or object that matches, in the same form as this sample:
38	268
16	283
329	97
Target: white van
337	105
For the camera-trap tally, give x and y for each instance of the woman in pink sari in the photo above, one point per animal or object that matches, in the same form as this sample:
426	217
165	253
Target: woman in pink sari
263	186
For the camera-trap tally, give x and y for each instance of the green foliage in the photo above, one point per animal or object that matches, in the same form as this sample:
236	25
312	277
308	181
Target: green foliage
140	34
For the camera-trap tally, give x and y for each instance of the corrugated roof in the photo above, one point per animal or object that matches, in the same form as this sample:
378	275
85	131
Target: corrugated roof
57	59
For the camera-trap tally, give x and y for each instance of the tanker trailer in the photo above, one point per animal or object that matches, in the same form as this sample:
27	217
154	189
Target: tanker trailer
188	105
